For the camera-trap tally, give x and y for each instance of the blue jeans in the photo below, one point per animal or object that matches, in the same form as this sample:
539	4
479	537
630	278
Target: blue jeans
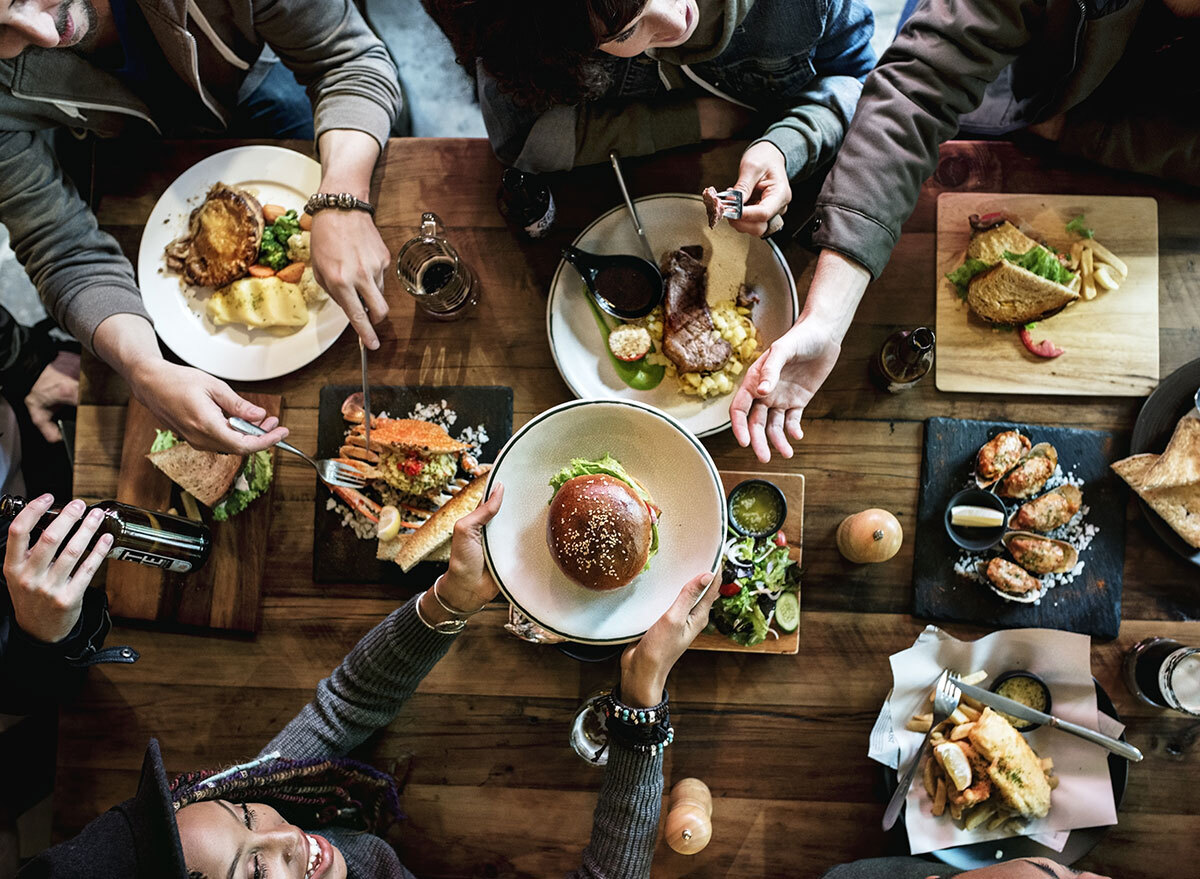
277	106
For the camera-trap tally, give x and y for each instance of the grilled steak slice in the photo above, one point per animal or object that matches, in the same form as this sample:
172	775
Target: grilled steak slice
689	338
222	240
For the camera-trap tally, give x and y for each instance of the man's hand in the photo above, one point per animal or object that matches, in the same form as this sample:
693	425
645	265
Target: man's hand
57	386
779	385
766	193
349	261
46	585
196	406
646	664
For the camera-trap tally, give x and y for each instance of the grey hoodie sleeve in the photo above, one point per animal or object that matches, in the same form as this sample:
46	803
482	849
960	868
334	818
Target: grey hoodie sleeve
80	272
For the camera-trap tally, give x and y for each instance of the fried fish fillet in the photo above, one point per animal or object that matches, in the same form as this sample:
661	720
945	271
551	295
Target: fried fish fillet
1014	769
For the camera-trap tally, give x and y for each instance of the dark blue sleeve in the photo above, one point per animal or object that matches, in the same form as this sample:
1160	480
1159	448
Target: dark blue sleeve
846	49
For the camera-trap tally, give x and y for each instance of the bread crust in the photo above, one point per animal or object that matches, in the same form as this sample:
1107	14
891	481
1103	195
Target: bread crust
1009	294
599	532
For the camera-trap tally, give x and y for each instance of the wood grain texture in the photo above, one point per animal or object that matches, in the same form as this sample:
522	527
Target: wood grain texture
224	594
792	486
494	789
1111	342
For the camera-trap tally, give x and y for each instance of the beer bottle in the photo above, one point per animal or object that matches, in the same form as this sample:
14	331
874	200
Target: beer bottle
526	202
160	540
904	359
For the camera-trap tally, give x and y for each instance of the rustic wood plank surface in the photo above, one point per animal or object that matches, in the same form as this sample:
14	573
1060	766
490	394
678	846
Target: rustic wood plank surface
491	787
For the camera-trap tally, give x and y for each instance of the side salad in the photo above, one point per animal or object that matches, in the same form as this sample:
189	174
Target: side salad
760	590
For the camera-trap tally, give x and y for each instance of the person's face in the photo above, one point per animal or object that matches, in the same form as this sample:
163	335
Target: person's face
660	25
51	24
1028	868
252	841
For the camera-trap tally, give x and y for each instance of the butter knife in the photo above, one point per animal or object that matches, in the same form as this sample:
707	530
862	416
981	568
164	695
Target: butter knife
1024	712
366	386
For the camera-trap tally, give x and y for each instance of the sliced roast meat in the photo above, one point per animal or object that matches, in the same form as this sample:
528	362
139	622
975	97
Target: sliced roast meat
689	338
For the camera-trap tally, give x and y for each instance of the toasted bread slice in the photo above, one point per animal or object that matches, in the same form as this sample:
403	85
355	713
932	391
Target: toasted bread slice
440	526
208	476
223	238
1009	294
1179	463
1179	506
405	433
990	244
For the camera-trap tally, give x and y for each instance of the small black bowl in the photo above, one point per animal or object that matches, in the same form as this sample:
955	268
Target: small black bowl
772	489
1023	726
976	539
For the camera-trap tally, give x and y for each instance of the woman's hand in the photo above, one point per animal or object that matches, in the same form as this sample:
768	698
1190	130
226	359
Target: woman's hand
646	664
466	586
57	386
766	193
46	585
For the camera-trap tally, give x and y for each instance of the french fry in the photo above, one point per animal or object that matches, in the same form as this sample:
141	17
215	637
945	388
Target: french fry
1085	272
997	820
970	711
1052	780
1047	764
1015	826
1076	255
1105	278
918	724
971	703
974	677
939	798
956	718
961	731
979	814
1107	256
956	811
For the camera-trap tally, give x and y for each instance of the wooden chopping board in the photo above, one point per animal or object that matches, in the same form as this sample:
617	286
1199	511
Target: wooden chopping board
792	486
1111	342
224	594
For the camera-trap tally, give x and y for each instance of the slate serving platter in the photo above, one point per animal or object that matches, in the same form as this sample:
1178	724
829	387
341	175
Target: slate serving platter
339	556
1091	604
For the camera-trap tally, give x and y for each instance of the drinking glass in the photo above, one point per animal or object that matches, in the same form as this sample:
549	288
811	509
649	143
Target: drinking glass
1164	673
589	731
434	274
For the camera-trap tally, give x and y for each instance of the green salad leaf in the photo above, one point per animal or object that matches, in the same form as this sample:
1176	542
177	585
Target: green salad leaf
961	276
257	473
742	617
1041	262
1079	227
163	440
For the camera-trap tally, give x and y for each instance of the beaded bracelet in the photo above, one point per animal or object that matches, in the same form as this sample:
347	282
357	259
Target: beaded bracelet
643	729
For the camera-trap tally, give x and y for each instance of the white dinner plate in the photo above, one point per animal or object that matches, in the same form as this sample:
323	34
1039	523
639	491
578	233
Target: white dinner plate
274	176
657	451
671	220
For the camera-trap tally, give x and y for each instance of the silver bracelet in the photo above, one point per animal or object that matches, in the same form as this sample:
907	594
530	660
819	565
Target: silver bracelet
454	612
445	627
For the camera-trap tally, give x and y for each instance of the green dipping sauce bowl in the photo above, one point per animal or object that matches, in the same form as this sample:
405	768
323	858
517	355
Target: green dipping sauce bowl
757	508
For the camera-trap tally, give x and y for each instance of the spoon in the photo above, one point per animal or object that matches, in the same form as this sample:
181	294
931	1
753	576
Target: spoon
627	287
638	374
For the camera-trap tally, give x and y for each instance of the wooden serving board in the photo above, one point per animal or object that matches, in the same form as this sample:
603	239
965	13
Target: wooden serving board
792	486
1110	342
224	594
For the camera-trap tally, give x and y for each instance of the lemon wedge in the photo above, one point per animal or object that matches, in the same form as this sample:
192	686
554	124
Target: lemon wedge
954	761
968	516
389	523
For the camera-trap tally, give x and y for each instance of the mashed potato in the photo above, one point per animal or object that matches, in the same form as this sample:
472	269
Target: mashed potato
734	326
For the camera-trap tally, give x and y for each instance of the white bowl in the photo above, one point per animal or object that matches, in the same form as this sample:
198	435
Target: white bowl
656	450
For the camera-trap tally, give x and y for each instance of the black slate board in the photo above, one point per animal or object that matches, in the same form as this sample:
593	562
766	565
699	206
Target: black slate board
1091	604
339	556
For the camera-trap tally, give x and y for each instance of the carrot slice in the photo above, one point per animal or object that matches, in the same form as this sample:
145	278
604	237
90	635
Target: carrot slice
291	273
259	271
306	222
272	212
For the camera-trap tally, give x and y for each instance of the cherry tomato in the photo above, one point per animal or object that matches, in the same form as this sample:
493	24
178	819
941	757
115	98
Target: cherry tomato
780	538
731	588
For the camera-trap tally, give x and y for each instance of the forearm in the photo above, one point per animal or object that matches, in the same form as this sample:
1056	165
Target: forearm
347	161
128	344
625	823
837	288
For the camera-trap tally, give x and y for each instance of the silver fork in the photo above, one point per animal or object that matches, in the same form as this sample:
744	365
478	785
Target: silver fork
731	202
331	472
945	700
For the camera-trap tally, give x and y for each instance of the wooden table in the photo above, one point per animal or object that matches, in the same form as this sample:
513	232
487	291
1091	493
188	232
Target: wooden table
491	787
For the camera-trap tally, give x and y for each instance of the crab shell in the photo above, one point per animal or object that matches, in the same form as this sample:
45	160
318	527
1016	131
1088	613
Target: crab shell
1074	498
1028	598
1041	450
1021	438
1070	553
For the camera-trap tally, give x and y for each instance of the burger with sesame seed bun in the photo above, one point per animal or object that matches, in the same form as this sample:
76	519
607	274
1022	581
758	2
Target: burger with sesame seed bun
603	526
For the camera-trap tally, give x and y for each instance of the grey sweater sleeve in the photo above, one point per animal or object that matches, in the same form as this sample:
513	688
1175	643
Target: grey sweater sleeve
625	824
80	272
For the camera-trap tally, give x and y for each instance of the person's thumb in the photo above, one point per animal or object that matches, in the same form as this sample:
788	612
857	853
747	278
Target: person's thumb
748	176
772	366
695	597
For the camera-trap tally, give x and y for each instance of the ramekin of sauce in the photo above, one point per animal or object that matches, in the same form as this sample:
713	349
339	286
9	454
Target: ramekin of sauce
757	508
1028	689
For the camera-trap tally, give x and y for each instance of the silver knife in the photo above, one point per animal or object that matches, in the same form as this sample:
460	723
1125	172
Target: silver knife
366	385
1024	712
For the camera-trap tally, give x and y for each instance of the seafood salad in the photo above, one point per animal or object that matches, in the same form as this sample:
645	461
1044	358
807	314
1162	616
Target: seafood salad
413	467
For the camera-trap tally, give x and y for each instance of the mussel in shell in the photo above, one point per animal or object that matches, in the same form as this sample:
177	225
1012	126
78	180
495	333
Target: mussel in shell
1040	555
1052	510
1027	478
999	455
1011	581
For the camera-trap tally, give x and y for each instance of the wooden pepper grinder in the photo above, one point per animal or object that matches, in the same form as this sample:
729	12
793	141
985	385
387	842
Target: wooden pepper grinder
689	816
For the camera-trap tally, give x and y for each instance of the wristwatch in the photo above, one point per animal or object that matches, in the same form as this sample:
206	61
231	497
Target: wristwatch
343	201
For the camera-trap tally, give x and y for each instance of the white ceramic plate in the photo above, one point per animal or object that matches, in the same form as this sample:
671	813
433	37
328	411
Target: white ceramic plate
658	451
671	220
275	176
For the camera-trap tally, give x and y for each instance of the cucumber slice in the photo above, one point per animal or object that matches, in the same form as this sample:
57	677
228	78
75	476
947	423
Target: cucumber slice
787	612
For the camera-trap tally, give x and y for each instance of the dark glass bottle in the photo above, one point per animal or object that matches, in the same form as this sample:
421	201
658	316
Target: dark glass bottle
904	359
526	202
143	536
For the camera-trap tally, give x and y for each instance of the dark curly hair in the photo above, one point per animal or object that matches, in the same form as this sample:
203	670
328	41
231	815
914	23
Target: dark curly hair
542	52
